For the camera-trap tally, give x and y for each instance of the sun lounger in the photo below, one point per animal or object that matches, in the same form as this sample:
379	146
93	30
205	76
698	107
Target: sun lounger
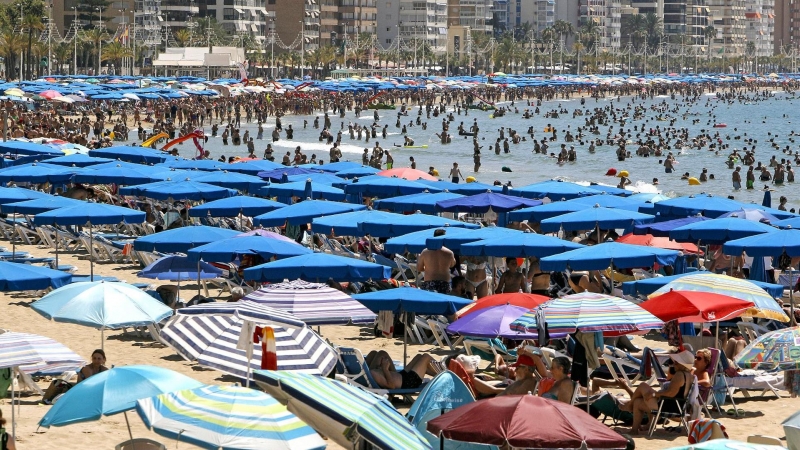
440	334
358	373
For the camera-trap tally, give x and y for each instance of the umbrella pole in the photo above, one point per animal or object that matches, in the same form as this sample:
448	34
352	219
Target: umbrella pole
56	235
791	296
13	414
102	338
129	429
91	253
405	339
198	278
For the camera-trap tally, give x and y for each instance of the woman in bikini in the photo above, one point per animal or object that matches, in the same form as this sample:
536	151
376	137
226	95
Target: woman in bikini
539	281
591	281
476	277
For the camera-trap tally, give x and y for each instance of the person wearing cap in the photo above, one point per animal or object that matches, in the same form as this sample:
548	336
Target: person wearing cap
524	377
556	382
645	399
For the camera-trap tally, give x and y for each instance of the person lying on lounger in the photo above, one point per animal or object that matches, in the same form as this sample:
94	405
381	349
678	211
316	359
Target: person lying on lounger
383	371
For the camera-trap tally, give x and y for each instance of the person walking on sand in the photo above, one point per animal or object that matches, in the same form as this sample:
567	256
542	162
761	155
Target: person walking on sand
455	173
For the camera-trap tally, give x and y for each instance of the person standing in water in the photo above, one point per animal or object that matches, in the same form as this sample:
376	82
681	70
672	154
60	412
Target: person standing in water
736	178
455	173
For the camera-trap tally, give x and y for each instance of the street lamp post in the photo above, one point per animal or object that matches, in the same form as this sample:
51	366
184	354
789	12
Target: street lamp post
272	45
100	43
75	40
49	35
302	47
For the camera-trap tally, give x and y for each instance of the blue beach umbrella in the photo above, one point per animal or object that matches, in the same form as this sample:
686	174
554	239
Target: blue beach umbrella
233	206
383	187
355	172
254	167
767	244
602	256
276	175
119	174
344	413
793	222
319	178
178	268
181	239
112	392
417	241
28	148
102	305
302	213
228	249
553	209
78	160
662	229
525	245
454	241
595	217
719	231
474	188
555	190
305	190
18	194
424	202
317	267
139	155
756	215
650	285
381	224
481	203
229	417
25	277
179	190
38	173
198	164
692	205
232	180
38	205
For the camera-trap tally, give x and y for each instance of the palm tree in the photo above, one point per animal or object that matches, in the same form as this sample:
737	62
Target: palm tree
33	24
654	28
62	53
564	29
95	37
11	44
182	37
116	52
709	33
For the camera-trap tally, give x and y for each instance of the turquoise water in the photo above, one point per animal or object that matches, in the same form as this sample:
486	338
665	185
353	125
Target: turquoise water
755	119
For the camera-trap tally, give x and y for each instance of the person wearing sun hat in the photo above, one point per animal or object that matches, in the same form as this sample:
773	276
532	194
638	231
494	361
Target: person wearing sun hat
623	179
646	399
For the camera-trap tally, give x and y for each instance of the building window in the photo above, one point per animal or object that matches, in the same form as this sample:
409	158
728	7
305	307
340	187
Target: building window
211	2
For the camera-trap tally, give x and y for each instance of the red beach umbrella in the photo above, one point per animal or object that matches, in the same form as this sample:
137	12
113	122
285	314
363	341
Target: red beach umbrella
692	306
529	301
525	421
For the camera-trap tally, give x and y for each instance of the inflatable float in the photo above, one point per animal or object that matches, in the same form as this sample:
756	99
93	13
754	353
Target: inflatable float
720	125
154	139
196	135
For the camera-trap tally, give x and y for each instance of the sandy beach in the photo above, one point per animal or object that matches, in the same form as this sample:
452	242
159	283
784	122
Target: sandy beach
762	415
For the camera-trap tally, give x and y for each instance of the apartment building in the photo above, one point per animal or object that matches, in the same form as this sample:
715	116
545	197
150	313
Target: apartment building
412	20
239	17
760	25
540	14
728	18
478	15
293	17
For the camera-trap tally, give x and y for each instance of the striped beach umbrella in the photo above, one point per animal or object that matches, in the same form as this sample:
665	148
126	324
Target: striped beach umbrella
773	351
765	306
313	303
227	417
346	414
33	353
213	340
588	312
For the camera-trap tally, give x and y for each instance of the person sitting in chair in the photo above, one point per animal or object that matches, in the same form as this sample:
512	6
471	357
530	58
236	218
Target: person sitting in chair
383	371
58	387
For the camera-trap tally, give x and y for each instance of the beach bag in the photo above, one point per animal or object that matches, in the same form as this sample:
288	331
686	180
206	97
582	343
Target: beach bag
3	439
720	390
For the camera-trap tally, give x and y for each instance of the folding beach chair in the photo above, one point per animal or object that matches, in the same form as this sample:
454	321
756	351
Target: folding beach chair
358	373
680	404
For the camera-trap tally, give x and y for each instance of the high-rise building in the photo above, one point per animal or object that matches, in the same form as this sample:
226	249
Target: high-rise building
293	17
413	20
475	14
760	22
727	17
783	36
239	17
539	14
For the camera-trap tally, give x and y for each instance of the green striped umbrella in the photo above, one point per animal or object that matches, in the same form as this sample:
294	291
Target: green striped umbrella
227	417
342	412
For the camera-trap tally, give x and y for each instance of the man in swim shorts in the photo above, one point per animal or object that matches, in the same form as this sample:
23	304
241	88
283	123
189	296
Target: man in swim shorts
736	177
436	266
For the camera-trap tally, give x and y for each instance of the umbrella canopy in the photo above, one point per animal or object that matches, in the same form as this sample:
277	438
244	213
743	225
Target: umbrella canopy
37	173
267	234
555	190
407	173
78	160
648	240
490	322
752	214
340	411
589	312
102	305
408	299
233	206
38	205
521	299
119	174
719	231
693	205
228	249
418	241
424	202
601	256
553	209
33	353
523	246
453	241
662	229
765	305
773	351
649	285
18	194
768	244
596	217
277	175
304	212
313	303
139	155
693	306
231	180
305	190
25	277
113	391
317	266
181	239
179	190
383	187
229	417
481	203
211	339
87	212
355	172
791	426
254	167
381	224
28	148
444	393
179	268
525	421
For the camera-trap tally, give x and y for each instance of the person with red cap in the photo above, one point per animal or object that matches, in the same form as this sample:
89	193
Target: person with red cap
524	377
612	172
